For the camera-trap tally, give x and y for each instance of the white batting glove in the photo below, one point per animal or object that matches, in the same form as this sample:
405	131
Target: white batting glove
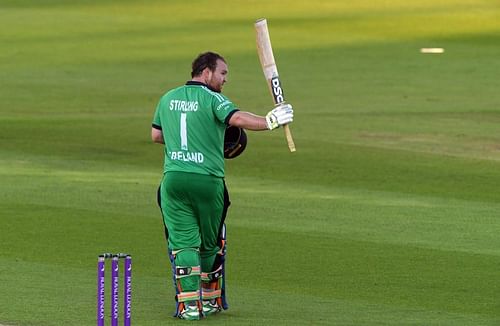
280	115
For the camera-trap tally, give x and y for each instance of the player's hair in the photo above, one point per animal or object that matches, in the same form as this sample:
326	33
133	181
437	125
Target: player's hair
205	60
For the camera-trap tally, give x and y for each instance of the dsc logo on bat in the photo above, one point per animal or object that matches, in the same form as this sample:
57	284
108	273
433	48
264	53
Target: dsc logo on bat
277	91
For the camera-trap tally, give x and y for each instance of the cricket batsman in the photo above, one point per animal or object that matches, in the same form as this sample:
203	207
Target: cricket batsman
191	121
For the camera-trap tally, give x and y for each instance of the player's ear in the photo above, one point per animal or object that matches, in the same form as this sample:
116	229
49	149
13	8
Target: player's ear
207	73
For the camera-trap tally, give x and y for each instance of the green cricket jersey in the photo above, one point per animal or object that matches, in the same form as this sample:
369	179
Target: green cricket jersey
193	119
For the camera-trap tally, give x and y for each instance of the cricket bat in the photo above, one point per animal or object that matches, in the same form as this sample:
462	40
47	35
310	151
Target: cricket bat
266	56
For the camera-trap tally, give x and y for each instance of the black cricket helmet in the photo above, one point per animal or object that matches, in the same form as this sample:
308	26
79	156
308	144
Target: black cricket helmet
235	142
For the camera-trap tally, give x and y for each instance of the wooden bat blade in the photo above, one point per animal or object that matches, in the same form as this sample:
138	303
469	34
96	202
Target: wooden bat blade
264	49
266	57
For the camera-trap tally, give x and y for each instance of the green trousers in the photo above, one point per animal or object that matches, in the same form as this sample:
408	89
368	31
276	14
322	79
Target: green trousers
192	206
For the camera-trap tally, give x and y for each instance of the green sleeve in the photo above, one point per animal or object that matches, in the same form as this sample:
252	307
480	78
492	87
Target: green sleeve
156	117
222	107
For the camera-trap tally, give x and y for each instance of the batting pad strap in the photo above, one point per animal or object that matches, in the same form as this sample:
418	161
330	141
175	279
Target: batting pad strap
181	271
209	294
188	296
212	276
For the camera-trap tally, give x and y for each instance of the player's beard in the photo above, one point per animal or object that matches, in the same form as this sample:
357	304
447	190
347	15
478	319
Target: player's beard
215	85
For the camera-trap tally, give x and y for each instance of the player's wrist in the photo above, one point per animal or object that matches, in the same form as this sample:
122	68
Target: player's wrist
271	121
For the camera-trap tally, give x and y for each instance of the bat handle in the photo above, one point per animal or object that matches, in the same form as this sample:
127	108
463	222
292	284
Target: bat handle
289	139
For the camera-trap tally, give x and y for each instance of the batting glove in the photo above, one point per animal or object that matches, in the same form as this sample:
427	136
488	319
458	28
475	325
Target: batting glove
280	115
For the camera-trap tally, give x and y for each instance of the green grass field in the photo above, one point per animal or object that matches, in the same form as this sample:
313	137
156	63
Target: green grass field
387	214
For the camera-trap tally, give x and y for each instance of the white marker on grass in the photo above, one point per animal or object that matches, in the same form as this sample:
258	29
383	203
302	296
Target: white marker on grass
432	50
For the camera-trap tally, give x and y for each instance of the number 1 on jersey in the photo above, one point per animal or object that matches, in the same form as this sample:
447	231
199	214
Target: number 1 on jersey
184	137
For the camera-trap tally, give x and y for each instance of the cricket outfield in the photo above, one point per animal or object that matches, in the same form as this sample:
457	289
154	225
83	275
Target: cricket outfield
387	214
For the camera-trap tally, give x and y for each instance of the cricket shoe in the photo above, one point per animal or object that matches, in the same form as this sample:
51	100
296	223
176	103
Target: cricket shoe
210	307
190	312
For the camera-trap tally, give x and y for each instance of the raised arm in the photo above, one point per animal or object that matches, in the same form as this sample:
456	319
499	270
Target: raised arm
277	117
